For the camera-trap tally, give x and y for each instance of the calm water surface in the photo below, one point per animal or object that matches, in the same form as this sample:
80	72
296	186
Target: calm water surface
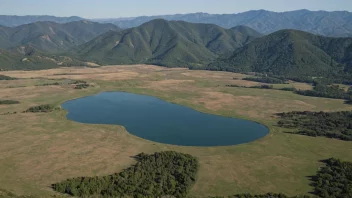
160	121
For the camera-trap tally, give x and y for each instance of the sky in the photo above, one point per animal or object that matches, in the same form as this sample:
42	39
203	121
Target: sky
131	8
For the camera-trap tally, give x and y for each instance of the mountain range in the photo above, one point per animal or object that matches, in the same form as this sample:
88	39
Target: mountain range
336	24
13	20
167	43
38	45
43	45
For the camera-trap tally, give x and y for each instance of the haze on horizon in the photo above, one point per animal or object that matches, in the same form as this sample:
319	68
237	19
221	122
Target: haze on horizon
132	8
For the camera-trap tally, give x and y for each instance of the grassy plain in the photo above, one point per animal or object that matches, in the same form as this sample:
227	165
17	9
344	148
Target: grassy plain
37	150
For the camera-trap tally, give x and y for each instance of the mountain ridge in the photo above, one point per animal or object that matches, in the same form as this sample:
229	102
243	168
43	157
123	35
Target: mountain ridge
335	23
15	20
163	42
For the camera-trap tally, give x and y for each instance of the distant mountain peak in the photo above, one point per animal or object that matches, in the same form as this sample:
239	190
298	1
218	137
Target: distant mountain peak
325	23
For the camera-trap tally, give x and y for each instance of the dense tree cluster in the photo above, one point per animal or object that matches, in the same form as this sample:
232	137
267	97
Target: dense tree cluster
268	80
334	180
327	91
80	84
3	77
156	175
265	87
41	108
253	87
8	102
329	124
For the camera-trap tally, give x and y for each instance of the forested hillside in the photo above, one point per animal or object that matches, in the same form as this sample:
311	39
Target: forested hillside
290	52
168	43
51	37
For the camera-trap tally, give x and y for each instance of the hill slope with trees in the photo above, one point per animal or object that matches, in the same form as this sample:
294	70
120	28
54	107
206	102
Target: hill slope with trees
51	37
167	43
290	52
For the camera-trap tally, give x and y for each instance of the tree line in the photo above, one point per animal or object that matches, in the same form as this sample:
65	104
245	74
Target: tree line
336	125
8	102
327	91
269	80
41	108
156	175
3	77
265	87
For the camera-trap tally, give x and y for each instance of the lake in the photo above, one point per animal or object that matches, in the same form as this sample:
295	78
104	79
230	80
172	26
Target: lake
160	121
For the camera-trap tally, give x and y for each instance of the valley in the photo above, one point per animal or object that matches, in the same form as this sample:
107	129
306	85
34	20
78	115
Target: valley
243	104
40	149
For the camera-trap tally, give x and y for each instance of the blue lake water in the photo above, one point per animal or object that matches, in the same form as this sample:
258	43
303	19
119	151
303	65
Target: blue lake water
160	121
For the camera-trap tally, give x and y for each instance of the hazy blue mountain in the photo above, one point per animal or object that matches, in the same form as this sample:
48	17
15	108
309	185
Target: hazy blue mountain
13	20
50	36
337	24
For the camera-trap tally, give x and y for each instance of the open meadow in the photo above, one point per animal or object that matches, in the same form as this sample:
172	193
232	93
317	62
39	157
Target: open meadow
37	150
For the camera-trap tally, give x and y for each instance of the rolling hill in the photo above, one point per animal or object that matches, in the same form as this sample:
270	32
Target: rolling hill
51	37
337	24
32	60
290	52
161	42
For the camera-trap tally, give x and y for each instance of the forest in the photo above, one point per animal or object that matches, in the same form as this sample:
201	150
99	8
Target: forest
336	125
6	102
159	174
334	180
41	108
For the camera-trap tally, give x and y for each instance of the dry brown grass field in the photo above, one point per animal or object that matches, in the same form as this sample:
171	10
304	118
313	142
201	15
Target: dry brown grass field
37	150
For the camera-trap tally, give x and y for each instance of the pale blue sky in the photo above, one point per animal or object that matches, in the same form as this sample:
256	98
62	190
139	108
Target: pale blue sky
127	8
